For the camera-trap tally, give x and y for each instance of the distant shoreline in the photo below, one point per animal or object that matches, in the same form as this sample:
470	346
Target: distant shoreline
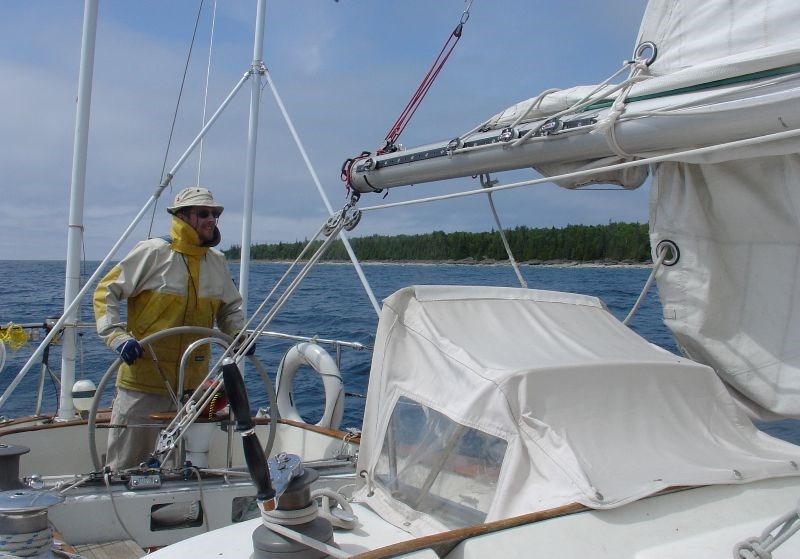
616	244
466	262
472	262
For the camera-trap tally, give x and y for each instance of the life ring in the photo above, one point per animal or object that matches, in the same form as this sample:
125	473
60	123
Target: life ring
311	354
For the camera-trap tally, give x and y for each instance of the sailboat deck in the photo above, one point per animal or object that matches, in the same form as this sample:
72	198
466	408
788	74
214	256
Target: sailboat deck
123	549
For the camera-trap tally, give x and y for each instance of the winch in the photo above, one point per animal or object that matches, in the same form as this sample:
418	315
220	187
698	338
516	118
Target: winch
23	511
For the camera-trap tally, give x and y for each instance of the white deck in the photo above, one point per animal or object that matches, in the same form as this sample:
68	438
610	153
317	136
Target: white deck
698	523
123	549
236	541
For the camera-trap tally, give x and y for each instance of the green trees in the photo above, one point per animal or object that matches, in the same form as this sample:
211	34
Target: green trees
614	242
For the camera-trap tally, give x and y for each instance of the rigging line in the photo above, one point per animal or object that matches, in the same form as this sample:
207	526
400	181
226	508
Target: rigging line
236	349
485	125
280	282
647	285
776	136
794	68
588	99
200	396
537	102
422	90
205	95
177	106
196	471
500	230
323	248
107	481
345	241
312	261
236	345
419	94
590	189
694	106
487	182
540	97
541	121
180	91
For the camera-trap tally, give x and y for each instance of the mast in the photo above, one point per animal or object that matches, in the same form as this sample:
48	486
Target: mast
257	70
72	285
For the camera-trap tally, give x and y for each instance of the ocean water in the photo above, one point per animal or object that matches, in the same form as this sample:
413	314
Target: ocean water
330	303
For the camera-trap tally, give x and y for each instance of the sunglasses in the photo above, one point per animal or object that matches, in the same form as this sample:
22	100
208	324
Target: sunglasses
203	214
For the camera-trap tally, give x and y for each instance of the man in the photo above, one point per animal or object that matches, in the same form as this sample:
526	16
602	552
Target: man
179	280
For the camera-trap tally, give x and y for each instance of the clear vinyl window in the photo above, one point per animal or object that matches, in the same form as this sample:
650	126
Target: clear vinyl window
439	467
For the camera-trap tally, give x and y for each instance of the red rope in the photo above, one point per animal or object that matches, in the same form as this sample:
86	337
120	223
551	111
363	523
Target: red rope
422	90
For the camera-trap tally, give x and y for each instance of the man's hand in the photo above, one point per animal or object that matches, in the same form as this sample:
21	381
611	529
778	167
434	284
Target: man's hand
130	351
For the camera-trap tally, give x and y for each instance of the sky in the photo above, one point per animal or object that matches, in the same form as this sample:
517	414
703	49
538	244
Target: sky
344	70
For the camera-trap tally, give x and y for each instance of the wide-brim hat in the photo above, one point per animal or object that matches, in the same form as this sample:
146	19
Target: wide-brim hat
194	196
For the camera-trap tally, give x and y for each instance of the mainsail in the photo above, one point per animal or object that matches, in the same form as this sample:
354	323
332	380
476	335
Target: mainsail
713	95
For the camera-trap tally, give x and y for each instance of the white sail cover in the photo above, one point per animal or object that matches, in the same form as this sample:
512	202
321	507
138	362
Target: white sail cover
697	43
486	403
733	299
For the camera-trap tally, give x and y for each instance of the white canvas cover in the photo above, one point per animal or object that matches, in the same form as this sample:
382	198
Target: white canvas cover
733	300
566	403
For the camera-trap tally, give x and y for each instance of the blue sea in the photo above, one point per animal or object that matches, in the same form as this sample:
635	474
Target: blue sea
330	303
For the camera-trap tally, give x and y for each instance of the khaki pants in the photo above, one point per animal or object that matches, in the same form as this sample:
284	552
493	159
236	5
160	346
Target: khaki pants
129	446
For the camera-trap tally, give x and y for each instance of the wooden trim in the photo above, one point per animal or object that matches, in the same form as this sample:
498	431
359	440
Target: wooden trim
102	417
105	415
445	542
356	439
166	416
26	419
61	545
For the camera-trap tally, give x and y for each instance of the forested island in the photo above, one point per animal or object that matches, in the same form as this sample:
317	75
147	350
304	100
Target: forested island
612	243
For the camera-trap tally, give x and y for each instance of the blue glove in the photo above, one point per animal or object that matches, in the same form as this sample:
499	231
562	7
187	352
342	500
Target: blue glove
240	343
130	351
250	351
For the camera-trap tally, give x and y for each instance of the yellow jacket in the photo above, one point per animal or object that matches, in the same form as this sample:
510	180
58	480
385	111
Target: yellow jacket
166	284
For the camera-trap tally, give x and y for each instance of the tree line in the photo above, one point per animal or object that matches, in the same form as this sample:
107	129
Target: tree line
614	242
